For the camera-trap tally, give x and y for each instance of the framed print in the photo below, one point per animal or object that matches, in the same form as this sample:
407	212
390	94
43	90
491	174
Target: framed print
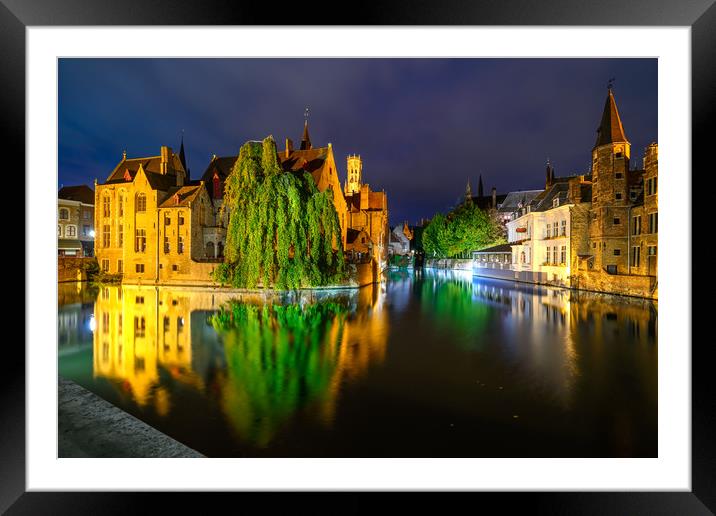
416	252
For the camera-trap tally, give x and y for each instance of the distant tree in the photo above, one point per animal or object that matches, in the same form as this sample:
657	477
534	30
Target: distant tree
466	228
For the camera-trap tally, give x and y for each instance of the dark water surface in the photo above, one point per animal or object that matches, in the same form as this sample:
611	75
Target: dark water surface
432	364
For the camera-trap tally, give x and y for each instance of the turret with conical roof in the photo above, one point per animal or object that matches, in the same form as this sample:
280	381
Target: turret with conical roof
610	128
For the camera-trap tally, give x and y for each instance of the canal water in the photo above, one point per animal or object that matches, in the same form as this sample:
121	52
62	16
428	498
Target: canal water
426	364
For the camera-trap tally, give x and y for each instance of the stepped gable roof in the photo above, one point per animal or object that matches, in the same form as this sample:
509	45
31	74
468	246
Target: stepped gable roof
512	200
81	193
501	248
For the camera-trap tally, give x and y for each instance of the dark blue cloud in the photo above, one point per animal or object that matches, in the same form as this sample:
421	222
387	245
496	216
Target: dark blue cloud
423	126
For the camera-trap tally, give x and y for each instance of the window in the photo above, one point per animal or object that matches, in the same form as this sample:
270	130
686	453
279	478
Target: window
651	250
180	219
120	267
175	267
180	245
619	175
64	214
635	256
636	225
85	230
106	205
619	154
140	240
618	196
86	215
651	186
549	230
139	326
563	228
653	223
121	204
563	255
617	252
120	237
549	255
617	221
554	254
105	265
594	245
166	245
105	236
71	231
555	202
139	268
141	202
167	219
59	230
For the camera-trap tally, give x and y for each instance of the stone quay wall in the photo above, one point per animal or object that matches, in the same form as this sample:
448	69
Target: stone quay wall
71	268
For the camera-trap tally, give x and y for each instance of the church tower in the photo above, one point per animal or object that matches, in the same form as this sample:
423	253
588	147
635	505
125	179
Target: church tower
355	169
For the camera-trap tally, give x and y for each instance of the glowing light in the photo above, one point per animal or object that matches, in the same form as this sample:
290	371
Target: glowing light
92	324
91	233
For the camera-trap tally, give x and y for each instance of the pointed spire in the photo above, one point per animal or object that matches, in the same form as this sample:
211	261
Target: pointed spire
610	129
480	191
468	191
182	157
305	139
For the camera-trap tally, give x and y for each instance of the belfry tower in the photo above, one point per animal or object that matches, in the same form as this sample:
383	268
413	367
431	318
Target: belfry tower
355	169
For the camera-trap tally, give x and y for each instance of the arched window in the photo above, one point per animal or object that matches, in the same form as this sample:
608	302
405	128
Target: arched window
121	204
64	214
106	205
141	202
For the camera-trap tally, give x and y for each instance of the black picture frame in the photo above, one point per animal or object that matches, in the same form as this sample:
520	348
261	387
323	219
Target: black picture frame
700	15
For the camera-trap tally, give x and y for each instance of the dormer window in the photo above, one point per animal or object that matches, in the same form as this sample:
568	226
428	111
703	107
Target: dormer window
217	185
176	198
127	176
555	202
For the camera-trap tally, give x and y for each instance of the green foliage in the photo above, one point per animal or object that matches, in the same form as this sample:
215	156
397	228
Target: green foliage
282	231
466	228
399	260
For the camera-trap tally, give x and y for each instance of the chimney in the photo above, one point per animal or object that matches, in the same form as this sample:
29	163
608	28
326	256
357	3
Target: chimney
166	154
494	198
289	147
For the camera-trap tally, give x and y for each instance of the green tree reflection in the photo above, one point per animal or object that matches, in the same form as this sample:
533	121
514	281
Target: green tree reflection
280	358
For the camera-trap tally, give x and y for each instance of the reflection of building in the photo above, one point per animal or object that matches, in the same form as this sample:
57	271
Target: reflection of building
75	221
138	331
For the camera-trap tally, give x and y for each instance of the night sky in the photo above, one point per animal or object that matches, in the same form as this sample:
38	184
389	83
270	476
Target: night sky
422	126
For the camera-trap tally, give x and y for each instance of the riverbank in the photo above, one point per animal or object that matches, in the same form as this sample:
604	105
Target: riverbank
89	426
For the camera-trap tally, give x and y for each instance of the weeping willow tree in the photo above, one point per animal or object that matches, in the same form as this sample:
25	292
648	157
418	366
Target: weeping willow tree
283	232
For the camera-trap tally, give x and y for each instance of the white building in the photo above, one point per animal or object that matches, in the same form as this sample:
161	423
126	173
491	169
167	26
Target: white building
547	234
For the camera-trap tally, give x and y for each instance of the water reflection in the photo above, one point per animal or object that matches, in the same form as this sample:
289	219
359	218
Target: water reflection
346	373
263	360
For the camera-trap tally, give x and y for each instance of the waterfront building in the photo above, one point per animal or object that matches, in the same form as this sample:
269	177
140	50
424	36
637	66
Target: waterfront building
75	221
548	232
367	210
623	221
152	223
400	239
